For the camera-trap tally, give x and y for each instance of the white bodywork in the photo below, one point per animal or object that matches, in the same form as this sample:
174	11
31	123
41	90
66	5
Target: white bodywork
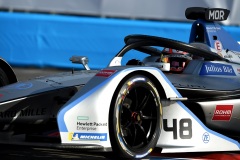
84	120
202	139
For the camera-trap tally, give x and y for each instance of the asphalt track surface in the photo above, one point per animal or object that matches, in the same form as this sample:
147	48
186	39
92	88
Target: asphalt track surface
34	153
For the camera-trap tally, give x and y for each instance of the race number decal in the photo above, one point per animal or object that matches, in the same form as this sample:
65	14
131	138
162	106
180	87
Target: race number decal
184	125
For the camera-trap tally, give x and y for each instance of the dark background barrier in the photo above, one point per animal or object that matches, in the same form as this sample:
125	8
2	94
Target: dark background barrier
50	40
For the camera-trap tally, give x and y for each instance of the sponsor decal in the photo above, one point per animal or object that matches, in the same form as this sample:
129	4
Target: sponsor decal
222	113
87	136
82	118
24	113
89	126
209	68
105	73
20	86
218	46
213	28
206	137
188	85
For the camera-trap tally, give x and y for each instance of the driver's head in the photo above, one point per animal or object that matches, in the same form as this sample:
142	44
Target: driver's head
177	59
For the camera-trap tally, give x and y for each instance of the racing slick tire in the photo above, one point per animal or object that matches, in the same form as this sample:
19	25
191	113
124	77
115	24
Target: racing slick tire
135	117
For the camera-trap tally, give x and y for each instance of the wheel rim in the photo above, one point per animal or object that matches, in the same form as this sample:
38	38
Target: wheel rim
138	113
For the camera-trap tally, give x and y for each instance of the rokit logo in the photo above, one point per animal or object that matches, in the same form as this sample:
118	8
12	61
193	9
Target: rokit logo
222	113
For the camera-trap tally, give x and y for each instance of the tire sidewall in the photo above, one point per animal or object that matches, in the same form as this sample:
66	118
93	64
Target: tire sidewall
115	135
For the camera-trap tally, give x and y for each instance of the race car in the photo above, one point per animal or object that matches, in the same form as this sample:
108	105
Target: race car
180	97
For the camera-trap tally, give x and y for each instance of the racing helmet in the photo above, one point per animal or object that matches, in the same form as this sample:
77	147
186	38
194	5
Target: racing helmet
178	59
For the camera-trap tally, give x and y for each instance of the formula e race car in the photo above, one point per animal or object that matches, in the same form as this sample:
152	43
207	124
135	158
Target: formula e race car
180	97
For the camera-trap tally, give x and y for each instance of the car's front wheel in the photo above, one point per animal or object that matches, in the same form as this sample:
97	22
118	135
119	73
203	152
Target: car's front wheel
135	117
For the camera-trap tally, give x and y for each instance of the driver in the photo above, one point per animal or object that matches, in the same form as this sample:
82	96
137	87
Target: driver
178	59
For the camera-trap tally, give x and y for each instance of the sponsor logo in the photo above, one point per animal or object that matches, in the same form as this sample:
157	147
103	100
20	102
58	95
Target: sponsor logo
105	73
87	136
206	137
89	126
24	85
218	46
82	118
222	113
20	86
24	113
217	69
187	85
213	28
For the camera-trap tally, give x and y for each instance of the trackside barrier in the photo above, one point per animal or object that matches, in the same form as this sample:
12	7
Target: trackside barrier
45	40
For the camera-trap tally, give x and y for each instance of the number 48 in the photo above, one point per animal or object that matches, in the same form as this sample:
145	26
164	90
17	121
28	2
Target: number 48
185	128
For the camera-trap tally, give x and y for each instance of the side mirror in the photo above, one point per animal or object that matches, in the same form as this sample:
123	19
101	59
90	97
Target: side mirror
80	60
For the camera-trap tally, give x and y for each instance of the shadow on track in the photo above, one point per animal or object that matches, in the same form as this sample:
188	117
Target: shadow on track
34	153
